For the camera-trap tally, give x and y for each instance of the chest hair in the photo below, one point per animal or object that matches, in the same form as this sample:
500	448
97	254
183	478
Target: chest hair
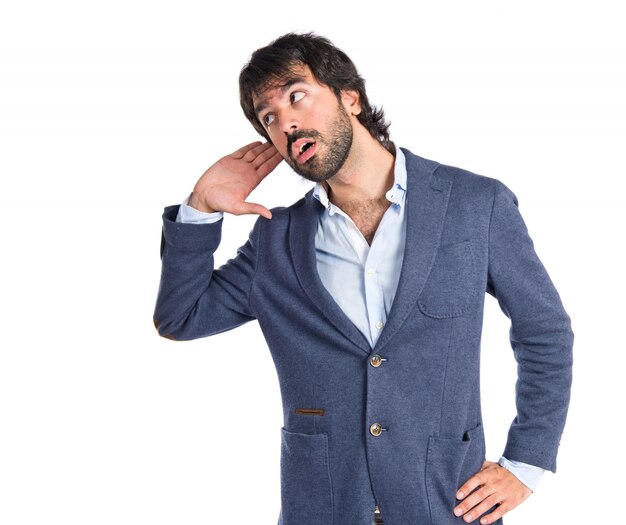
367	216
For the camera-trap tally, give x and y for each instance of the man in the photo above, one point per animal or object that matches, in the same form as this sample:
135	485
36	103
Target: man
370	291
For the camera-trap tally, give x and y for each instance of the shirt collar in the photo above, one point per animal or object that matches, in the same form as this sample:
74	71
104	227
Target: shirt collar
396	194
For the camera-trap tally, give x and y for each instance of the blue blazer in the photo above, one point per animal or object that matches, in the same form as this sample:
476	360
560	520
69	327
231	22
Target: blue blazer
399	425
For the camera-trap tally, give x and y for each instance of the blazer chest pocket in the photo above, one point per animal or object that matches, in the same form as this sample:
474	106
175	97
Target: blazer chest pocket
450	283
306	489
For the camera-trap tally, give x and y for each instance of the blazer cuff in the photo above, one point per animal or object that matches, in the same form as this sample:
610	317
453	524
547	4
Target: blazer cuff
530	456
189	237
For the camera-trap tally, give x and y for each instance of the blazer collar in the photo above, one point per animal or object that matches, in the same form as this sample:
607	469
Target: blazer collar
427	201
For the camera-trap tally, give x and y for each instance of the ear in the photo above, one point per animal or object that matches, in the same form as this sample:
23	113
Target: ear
351	101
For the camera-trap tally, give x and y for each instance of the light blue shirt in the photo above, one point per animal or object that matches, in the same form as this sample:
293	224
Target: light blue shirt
363	279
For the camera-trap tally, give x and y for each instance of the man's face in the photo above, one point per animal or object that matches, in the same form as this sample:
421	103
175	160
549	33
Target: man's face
307	124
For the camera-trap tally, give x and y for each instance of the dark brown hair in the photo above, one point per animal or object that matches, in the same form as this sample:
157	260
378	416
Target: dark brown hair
330	66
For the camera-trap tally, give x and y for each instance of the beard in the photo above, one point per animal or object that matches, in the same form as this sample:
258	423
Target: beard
332	151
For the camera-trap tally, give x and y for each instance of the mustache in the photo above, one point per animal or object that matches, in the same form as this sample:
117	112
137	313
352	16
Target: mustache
302	134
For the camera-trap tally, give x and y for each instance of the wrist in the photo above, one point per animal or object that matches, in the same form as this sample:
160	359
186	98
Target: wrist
195	203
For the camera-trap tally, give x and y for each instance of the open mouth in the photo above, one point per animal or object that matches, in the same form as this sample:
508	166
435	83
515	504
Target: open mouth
303	149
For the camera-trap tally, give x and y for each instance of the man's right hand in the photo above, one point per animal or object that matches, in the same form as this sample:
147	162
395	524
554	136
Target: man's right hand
226	185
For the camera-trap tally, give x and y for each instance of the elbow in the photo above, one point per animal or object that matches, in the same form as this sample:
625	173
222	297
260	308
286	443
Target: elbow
161	330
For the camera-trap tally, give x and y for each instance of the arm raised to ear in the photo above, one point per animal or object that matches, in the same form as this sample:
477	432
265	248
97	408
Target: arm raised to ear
195	299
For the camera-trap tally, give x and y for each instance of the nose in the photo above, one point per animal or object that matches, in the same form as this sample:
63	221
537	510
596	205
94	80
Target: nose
288	121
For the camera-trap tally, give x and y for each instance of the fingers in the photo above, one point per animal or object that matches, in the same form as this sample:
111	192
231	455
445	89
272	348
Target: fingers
265	154
252	207
478	503
269	165
469	485
494	516
264	157
255	151
242	151
250	164
495	486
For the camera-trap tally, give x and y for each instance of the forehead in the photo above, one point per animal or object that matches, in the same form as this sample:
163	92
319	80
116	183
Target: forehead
278	85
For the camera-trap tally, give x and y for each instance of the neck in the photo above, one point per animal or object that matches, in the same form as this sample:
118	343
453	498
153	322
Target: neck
367	174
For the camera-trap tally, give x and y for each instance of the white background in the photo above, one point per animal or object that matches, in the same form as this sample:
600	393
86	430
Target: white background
110	111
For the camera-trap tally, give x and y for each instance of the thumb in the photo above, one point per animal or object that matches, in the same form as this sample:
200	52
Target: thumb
252	207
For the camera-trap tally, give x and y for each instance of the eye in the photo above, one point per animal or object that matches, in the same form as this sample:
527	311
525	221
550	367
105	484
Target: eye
295	96
268	119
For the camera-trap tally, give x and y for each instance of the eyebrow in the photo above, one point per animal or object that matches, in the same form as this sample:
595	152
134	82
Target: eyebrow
283	88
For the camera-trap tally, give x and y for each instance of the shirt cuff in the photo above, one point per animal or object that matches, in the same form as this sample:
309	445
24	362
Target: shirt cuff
529	475
190	215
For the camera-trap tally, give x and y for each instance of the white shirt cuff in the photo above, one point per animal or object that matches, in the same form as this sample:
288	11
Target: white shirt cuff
190	215
529	475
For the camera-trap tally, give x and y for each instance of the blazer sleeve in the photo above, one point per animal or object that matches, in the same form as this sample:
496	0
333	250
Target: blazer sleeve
540	334
194	299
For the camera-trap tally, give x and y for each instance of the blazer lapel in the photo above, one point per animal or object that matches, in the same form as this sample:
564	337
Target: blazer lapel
427	201
302	232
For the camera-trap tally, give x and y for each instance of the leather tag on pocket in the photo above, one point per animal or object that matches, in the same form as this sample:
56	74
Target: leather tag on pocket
310	411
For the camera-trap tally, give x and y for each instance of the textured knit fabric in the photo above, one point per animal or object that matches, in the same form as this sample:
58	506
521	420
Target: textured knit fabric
464	236
361	279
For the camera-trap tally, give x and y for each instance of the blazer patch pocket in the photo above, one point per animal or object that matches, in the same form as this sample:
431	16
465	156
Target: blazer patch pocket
451	281
449	464
306	487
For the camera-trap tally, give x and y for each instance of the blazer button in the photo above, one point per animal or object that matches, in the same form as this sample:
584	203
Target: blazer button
376	429
376	360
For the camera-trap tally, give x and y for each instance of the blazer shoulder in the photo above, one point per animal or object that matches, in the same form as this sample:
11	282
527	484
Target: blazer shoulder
284	211
462	179
281	214
468	181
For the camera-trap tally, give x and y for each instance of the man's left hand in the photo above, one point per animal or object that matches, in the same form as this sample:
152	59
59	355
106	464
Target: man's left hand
498	486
